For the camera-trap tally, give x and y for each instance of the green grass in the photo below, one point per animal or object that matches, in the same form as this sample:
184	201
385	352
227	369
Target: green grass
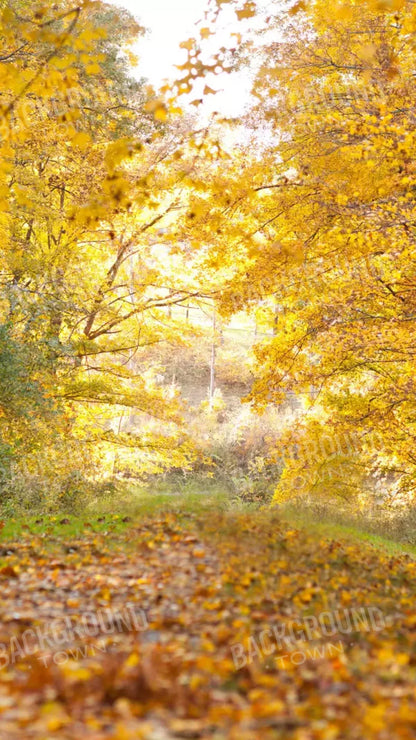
196	496
113	517
110	518
335	530
168	495
62	526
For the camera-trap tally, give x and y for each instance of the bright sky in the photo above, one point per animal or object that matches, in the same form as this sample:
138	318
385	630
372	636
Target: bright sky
169	22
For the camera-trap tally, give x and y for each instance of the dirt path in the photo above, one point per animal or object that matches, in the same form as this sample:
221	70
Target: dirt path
206	627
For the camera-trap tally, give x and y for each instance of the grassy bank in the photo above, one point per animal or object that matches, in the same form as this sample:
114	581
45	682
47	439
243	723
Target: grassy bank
392	532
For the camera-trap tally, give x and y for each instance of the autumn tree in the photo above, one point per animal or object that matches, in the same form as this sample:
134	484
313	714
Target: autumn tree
322	220
92	181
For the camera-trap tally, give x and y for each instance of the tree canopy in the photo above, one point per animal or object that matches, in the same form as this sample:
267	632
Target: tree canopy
117	204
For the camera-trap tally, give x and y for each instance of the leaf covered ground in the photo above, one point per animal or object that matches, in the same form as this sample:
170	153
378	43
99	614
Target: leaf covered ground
201	584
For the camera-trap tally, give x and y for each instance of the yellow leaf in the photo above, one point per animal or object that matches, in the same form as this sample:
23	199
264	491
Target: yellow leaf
132	661
205	33
93	69
82	140
189	44
160	113
152	105
56	723
75	672
367	52
64	62
7	17
248	11
298	7
374	717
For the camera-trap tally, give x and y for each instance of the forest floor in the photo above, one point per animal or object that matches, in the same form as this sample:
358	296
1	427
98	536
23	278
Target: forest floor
202	624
